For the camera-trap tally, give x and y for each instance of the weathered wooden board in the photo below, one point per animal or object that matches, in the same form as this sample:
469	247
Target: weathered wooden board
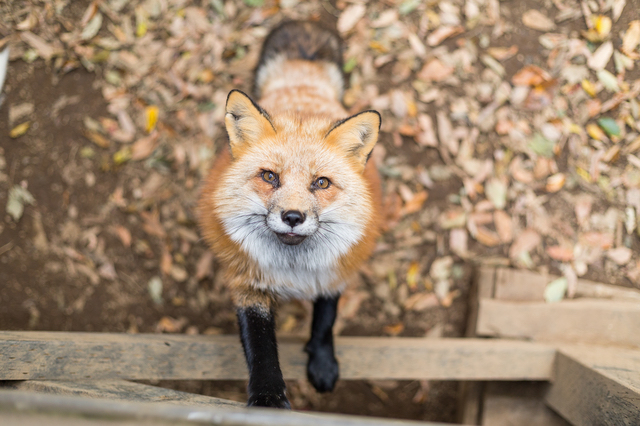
98	356
117	390
29	409
597	386
518	403
516	284
581	320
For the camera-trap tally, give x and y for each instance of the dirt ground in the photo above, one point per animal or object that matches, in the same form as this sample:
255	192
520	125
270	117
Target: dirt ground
109	243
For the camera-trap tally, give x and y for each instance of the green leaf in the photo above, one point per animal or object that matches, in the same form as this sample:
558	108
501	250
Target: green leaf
349	65
254	3
18	197
610	126
555	290
541	145
408	6
608	80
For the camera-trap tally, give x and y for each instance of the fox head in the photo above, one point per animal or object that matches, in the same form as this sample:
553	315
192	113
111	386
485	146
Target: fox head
294	195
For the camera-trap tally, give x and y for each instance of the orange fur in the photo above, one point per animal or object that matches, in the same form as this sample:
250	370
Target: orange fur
298	140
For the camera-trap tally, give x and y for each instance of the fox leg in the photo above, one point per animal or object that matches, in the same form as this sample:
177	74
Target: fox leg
322	368
257	332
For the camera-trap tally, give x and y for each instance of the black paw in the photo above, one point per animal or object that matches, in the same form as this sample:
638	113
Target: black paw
275	400
322	370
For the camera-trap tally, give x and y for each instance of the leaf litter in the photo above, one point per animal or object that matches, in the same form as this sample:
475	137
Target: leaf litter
494	147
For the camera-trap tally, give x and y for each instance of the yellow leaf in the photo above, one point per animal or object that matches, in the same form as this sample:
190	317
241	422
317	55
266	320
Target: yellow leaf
122	156
20	129
574	128
602	25
589	87
596	132
412	275
151	113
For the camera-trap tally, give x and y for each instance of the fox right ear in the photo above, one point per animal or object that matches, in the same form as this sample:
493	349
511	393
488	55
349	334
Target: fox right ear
245	121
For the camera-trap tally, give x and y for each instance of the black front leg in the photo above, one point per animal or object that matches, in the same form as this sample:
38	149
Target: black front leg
322	369
257	332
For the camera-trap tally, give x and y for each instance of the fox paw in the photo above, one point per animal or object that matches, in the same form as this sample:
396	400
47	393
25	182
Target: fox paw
322	370
273	400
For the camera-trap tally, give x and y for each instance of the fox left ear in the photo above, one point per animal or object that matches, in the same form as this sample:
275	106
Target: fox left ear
245	121
357	135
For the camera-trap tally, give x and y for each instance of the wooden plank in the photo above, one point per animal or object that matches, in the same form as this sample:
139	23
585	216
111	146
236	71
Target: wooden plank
582	320
597	386
518	403
515	284
28	409
98	356
118	390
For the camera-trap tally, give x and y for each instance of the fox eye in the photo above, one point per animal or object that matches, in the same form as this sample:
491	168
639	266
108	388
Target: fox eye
322	183
269	176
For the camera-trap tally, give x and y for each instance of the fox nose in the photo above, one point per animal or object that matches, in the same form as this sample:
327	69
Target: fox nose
293	217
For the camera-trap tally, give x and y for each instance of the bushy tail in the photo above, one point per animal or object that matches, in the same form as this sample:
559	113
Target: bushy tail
300	40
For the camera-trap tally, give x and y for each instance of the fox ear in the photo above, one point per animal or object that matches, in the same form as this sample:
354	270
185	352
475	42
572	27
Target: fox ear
245	121
357	135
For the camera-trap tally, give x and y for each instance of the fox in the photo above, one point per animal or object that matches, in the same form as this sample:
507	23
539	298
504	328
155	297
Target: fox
291	207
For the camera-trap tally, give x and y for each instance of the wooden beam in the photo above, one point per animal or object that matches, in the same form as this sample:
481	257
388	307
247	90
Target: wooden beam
99	356
582	320
523	285
117	390
19	408
597	386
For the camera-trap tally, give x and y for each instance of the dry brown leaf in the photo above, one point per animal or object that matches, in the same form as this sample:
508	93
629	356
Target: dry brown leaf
502	53
555	182
350	17
536	20
394	329
204	267
144	147
601	56
427	135
530	75
350	302
442	33
171	325
601	240
518	171
631	40
487	237
97	138
421	302
123	234
45	50
458	242
504	225
560	253
620	255
524	243
152	224
435	70
415	203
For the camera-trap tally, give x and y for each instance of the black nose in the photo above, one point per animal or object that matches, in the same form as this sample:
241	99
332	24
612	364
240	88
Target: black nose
293	217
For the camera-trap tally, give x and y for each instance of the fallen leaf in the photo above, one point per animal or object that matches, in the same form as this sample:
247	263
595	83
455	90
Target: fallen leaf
535	19
155	290
18	197
413	273
496	191
610	126
97	139
20	129
631	39
555	290
486	237
123	234
530	75
524	243
458	242
502	53
608	80
588	87
504	225
171	325
144	147
555	182
92	28
415	204
151	114
435	70
560	253
620	255
421	302
601	56
393	329
442	33
350	17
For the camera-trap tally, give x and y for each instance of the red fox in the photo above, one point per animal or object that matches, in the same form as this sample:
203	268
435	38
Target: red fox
291	209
